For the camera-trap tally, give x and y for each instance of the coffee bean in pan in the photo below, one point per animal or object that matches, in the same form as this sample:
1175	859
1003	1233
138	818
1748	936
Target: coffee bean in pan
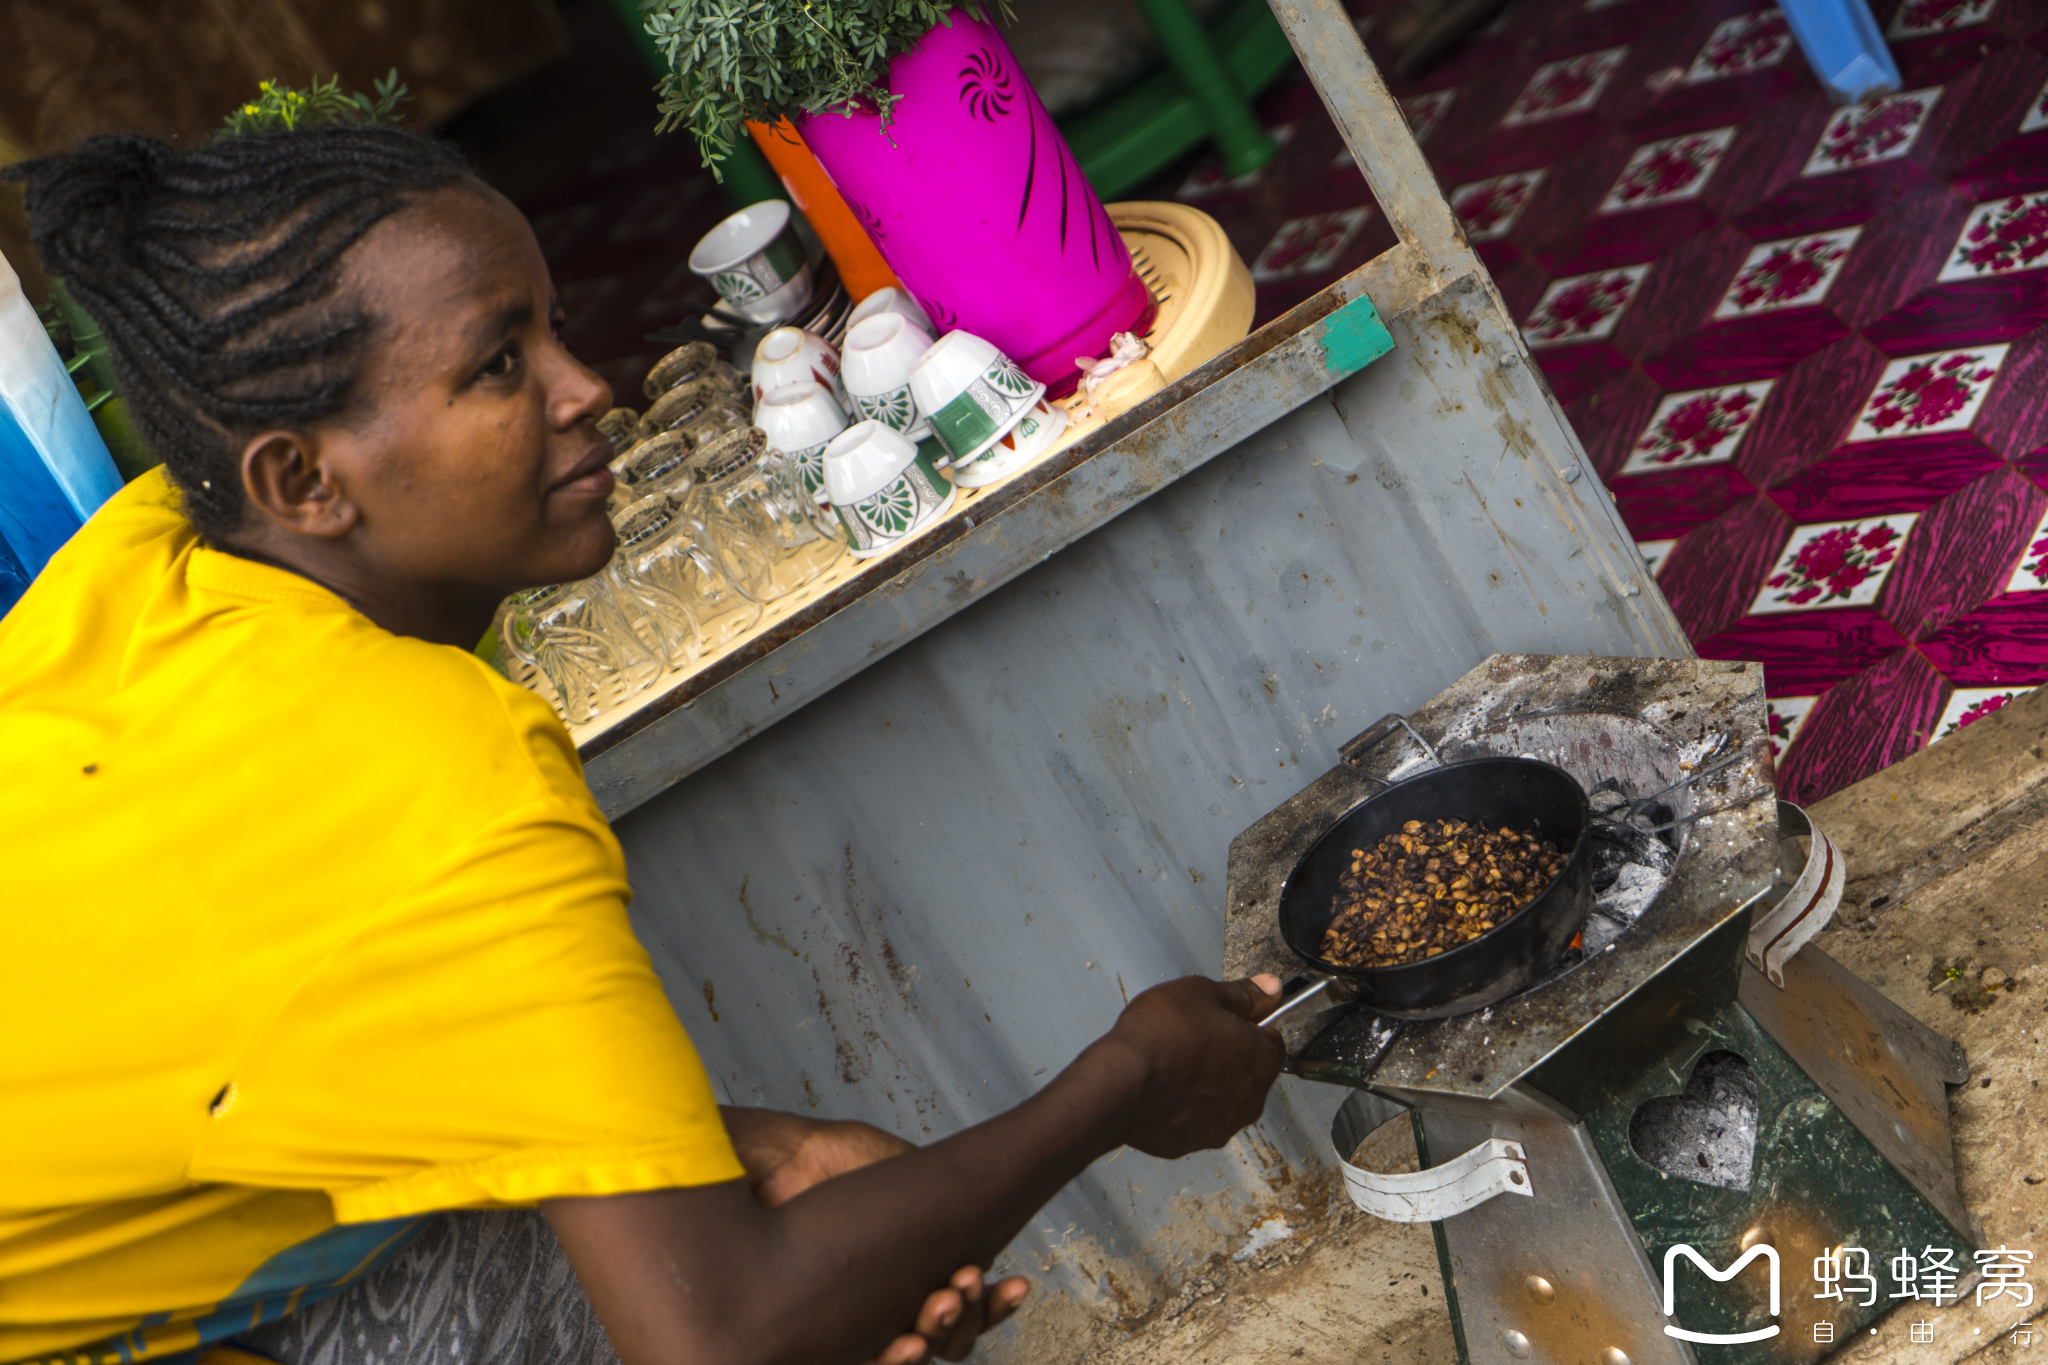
1435	885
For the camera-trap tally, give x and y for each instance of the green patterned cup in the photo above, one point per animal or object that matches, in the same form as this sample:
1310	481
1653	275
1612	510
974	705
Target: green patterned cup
884	488
755	262
876	370
974	396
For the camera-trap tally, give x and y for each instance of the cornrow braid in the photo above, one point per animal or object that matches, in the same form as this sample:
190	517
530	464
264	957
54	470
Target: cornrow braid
212	274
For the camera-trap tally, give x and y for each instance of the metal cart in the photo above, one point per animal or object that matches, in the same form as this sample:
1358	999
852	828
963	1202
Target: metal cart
901	858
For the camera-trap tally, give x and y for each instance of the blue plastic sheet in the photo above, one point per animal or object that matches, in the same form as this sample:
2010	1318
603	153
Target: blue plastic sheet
1843	45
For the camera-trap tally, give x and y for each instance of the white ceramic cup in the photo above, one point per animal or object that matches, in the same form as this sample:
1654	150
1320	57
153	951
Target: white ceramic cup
800	419
876	369
790	355
891	300
973	395
884	488
756	263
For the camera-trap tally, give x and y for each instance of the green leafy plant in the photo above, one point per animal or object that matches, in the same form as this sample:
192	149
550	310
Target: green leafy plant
738	61
83	350
278	108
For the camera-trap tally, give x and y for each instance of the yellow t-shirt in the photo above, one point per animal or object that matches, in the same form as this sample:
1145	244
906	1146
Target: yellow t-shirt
311	929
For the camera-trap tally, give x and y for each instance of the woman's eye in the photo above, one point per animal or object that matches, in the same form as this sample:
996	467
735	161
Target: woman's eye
558	322
501	364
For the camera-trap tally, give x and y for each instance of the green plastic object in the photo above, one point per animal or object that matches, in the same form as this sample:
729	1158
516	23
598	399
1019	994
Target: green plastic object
1125	142
1238	134
744	173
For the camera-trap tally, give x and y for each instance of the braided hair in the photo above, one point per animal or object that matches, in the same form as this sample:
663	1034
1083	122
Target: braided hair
212	274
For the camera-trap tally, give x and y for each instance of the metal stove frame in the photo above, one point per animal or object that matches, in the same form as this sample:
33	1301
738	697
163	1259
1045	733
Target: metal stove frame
1853	1145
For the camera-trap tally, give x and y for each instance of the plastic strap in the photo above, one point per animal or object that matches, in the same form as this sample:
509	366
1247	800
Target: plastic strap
1495	1166
1787	927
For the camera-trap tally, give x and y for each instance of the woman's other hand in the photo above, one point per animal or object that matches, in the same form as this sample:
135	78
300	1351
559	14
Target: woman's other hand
786	1154
955	1316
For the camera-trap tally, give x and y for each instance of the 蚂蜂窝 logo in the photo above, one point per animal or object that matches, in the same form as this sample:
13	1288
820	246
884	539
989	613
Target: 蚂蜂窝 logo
1671	1329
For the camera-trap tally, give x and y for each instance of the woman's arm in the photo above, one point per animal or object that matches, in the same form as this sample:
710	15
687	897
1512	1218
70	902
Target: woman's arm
786	1154
710	1275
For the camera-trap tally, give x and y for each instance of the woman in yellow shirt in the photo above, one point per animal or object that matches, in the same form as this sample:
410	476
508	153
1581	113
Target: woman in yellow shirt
314	927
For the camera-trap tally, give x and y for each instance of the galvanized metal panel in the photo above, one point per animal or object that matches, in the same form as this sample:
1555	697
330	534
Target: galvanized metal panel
1207	412
913	900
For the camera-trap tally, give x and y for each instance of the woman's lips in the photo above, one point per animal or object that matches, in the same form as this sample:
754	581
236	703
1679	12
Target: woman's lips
598	483
592	476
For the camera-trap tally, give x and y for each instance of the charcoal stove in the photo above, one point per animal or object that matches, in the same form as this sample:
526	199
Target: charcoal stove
1658	1090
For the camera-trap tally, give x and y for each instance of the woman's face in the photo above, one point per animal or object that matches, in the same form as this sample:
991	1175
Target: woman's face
470	452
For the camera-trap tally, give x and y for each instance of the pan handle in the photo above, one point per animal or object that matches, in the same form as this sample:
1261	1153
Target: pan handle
1378	733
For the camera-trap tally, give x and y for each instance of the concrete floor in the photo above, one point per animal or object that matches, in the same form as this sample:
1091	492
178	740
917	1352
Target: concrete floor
1944	912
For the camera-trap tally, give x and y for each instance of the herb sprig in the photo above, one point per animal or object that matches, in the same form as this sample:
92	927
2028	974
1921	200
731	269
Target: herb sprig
278	108
739	61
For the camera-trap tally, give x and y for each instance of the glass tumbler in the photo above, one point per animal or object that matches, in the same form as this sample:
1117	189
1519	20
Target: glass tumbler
654	466
667	566
744	497
578	637
713	422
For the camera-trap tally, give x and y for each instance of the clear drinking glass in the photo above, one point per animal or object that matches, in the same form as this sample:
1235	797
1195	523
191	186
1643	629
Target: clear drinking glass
577	636
667	566
654	466
744	495
713	422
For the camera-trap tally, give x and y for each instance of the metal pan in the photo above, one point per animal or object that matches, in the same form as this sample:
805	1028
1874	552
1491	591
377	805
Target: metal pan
1520	793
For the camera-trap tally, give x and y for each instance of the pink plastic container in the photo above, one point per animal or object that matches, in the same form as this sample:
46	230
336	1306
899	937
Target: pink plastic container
980	209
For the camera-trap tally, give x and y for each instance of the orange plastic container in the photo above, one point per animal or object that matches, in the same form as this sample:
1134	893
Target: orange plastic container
861	266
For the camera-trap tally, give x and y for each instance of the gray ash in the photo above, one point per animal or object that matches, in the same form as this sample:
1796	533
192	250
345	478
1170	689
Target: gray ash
1630	863
1708	1132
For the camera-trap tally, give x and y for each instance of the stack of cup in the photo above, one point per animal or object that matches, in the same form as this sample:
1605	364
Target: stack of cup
990	416
891	300
668	568
790	355
879	353
799	419
744	494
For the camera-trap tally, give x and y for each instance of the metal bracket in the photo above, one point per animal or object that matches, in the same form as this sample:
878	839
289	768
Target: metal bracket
1355	749
1464	1182
1786	927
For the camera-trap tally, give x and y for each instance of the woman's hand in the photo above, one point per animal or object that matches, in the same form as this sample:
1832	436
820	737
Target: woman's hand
786	1154
1207	1066
953	1317
706	1272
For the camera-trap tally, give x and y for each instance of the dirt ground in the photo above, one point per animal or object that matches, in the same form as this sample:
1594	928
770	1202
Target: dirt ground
1944	912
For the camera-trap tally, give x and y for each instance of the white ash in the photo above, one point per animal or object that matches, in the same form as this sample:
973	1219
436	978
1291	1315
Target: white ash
1630	864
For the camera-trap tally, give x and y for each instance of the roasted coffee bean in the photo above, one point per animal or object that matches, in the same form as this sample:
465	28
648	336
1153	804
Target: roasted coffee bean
1432	887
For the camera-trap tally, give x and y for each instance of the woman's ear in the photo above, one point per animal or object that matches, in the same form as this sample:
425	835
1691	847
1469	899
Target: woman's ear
292	489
